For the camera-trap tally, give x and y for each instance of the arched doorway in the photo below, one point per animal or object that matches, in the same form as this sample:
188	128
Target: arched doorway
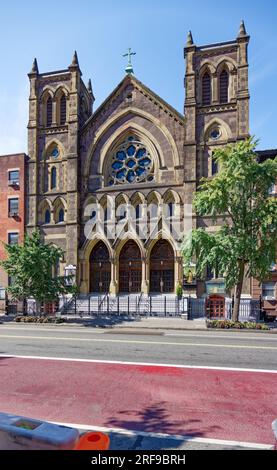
162	267
100	268
130	270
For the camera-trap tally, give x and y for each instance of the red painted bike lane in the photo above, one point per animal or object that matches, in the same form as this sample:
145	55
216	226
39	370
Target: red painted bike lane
218	404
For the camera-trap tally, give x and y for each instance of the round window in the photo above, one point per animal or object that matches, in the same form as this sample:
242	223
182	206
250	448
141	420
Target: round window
55	152
131	163
215	133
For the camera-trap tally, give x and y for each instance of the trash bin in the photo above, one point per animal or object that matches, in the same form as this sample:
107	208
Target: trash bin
21	433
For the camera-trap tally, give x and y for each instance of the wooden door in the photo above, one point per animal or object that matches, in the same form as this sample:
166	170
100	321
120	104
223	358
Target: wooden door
130	269
162	267
100	269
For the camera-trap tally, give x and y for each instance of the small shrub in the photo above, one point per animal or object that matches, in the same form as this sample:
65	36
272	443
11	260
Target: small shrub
228	324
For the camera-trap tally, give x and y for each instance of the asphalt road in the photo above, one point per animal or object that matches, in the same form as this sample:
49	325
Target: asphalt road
103	386
207	348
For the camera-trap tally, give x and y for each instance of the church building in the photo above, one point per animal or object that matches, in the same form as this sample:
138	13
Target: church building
134	155
134	150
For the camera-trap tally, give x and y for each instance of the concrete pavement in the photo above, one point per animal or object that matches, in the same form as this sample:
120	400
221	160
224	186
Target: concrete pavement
202	383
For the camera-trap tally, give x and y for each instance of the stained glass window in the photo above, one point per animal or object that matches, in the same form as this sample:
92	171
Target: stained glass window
131	163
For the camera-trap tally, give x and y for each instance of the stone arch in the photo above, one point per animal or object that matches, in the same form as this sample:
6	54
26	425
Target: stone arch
50	146
227	62
85	254
161	261
61	89
129	267
114	119
207	65
170	194
90	200
59	205
136	197
99	268
44	206
119	136
46	95
138	203
226	132
61	99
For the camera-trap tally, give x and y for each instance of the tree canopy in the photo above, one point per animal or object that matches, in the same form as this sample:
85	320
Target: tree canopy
237	199
31	267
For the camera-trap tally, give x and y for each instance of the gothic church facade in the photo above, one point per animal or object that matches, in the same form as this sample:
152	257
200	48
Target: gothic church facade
136	150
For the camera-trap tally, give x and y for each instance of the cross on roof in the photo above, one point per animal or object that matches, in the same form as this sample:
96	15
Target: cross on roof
129	68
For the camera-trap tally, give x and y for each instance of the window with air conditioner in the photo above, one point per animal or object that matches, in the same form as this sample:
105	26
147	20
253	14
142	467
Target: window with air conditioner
14	178
268	290
13	207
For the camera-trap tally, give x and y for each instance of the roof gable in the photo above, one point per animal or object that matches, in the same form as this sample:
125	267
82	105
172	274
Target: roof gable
132	80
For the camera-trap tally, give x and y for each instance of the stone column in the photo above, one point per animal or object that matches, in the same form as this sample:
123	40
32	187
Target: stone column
84	276
114	280
145	275
178	271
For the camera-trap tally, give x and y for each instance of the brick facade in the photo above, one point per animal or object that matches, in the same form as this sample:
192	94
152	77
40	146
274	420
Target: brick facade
11	224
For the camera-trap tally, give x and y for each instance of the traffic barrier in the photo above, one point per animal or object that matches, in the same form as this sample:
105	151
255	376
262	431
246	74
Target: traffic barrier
20	433
93	441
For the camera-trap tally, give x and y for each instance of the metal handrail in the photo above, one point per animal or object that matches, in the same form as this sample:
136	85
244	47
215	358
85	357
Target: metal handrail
139	301
102	301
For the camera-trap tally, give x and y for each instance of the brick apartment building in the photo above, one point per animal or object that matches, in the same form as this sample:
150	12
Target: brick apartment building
12	207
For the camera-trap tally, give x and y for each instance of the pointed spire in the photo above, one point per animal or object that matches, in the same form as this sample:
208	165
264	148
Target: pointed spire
89	87
75	62
242	30
35	67
189	39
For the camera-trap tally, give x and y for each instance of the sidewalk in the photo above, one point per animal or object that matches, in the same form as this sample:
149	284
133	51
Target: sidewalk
134	324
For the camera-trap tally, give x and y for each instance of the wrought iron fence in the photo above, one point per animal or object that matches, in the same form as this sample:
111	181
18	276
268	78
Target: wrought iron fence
126	305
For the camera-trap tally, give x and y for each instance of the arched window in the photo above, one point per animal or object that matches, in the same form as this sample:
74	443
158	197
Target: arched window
62	117
47	216
49	112
53	184
206	89
223	86
214	166
137	211
61	215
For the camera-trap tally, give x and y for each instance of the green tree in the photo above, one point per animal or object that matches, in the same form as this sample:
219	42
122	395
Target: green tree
31	267
238	199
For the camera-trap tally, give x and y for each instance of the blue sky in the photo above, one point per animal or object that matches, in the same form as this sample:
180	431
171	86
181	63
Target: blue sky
101	31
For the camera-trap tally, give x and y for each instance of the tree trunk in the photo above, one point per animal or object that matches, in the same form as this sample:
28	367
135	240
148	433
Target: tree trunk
238	290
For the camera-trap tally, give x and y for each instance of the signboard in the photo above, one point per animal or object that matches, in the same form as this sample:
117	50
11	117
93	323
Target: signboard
215	287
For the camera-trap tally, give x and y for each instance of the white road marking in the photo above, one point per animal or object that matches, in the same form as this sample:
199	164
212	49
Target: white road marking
100	361
81	329
200	440
162	343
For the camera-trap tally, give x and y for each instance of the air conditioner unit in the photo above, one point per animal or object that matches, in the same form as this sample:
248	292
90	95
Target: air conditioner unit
13	214
13	183
268	297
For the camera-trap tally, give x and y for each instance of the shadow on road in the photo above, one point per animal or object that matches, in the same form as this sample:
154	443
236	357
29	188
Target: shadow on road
157	419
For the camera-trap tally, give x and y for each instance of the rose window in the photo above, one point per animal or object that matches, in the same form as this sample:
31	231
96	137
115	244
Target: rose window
131	162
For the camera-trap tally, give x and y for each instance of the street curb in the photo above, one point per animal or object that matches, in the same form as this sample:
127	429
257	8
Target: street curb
123	328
